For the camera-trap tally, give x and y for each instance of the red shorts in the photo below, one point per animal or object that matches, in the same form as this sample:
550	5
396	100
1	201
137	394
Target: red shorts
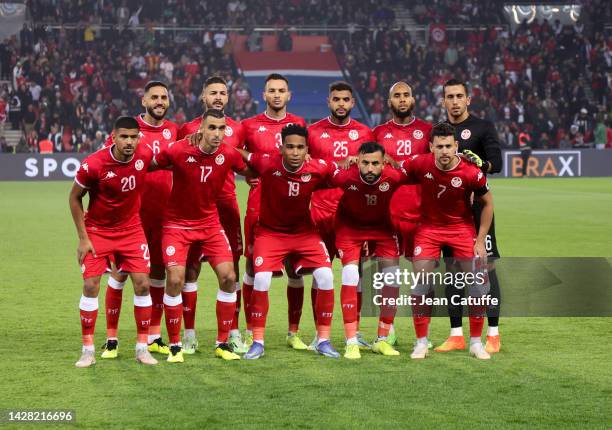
229	215
380	243
127	248
153	234
195	245
305	250
405	230
429	241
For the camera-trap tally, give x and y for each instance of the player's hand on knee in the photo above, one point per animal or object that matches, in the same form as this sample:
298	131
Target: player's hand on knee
472	157
85	246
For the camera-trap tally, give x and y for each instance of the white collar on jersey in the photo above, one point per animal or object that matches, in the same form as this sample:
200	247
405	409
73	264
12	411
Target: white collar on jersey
373	183
275	119
404	125
340	125
450	170
110	149
289	171
141	116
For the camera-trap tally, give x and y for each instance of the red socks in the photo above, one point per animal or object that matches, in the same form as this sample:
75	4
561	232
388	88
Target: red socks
387	311
190	300
114	295
88	310
260	304
226	307
142	314
157	298
247	292
348	299
173	308
324	307
237	311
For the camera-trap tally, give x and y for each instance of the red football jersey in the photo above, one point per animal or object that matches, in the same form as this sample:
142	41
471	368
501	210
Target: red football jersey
262	135
366	206
286	206
197	181
332	142
157	186
445	194
234	136
401	141
114	188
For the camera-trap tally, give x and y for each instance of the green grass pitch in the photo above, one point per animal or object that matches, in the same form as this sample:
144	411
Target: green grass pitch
552	372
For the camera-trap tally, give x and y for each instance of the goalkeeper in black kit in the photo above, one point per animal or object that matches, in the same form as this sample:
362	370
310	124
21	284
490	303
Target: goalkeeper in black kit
477	136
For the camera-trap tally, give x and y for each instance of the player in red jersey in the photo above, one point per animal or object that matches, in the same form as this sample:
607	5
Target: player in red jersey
285	230
155	133
363	218
192	228
334	139
402	136
215	96
114	178
262	135
448	183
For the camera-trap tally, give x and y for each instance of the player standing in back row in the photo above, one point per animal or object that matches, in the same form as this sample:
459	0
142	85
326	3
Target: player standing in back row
262	135
155	133
403	136
215	96
334	139
479	136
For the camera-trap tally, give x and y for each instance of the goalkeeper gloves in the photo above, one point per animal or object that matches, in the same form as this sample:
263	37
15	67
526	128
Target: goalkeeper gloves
473	158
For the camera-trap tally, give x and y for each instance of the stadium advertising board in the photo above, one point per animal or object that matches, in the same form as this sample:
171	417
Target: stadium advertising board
563	163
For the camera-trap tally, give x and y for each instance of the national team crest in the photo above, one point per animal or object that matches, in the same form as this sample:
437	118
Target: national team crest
166	133
353	135
306	177
417	251
139	164
456	182
384	187
220	159
170	250
465	134
417	134
259	261
229	131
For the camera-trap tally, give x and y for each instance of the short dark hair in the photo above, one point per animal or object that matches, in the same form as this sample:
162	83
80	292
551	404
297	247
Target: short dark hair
152	84
276	77
126	122
442	129
371	148
293	129
453	82
215	113
215	80
340	86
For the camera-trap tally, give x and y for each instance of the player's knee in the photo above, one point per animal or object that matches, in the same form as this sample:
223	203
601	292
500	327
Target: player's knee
324	277
422	289
227	281
262	281
350	275
91	287
393	270
295	282
174	283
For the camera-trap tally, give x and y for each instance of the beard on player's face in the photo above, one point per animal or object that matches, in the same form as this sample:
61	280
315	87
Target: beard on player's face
401	114
343	116
158	117
370	177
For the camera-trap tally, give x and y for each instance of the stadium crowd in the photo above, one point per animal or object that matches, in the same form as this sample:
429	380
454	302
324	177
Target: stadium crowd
543	80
